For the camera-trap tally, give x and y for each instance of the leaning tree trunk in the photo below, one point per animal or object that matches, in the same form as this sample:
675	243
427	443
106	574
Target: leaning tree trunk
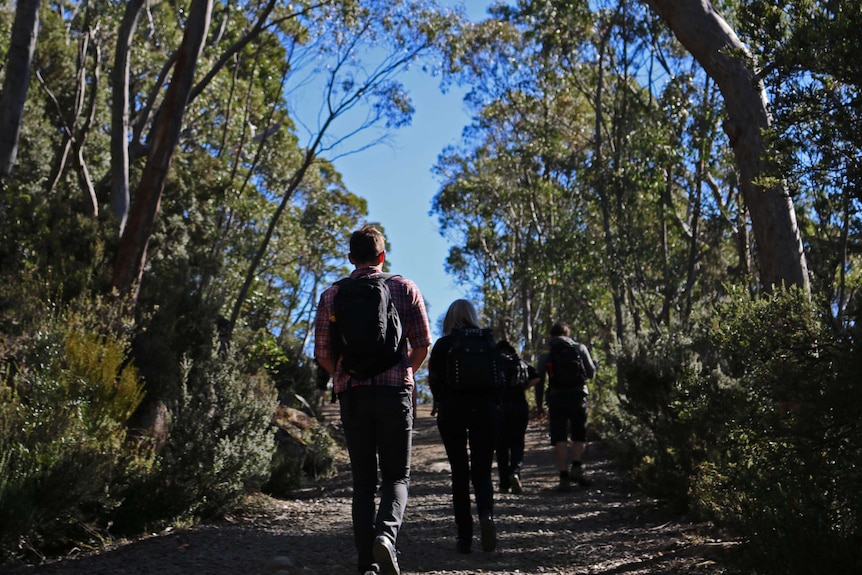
709	39
22	45
132	251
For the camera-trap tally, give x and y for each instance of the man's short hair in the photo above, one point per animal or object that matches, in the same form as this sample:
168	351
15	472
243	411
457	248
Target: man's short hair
366	244
560	329
506	347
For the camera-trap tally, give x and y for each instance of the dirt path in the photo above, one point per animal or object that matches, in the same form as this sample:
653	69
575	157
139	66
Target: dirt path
605	530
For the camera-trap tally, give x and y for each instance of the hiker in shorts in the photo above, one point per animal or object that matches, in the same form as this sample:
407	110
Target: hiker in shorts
520	376
468	414
568	366
375	390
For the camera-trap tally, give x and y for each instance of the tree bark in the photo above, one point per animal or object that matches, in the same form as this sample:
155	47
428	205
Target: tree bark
120	113
709	39
132	252
22	45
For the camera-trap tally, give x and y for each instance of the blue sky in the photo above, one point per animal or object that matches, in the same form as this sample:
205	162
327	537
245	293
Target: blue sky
396	180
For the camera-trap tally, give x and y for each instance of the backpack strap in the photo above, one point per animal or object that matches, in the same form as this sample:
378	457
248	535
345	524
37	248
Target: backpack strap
384	275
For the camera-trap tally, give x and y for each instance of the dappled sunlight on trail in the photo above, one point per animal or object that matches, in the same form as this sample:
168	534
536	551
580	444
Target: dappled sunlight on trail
603	530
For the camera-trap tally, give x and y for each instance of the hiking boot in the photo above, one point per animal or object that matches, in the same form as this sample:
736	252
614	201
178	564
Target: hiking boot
565	485
504	488
464	546
517	488
489	533
383	551
577	475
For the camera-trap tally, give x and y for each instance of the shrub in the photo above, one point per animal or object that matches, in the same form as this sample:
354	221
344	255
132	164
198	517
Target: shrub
219	446
754	425
664	424
66	392
786	472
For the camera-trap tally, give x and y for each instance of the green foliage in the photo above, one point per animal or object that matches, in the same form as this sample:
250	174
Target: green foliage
669	413
753	424
582	188
65	395
784	473
218	447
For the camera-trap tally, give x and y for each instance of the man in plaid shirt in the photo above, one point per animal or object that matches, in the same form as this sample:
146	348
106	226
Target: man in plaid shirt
377	413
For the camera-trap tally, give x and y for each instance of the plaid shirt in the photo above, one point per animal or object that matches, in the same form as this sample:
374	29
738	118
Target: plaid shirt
414	321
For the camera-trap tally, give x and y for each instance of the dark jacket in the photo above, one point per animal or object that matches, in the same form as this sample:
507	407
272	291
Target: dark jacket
589	366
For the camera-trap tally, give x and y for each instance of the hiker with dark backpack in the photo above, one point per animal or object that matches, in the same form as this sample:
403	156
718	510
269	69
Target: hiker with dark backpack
519	376
372	334
466	380
568	366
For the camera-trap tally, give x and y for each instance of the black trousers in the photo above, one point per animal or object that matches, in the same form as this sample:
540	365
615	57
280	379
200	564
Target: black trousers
378	426
470	422
510	444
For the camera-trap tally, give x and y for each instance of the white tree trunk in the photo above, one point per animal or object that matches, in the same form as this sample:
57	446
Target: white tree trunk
120	114
22	45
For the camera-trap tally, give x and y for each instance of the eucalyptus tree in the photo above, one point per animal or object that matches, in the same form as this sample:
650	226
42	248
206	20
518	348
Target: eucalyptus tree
665	189
132	250
610	202
706	34
508	198
806	52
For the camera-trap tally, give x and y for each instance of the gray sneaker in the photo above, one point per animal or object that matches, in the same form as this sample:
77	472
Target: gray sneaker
385	555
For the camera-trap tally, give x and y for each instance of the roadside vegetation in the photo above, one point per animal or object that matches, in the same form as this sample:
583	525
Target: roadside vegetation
170	213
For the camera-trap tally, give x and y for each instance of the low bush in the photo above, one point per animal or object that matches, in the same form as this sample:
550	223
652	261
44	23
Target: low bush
665	422
218	448
785	474
753	424
65	394
70	473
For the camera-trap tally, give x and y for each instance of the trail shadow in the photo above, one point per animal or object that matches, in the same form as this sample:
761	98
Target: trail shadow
607	529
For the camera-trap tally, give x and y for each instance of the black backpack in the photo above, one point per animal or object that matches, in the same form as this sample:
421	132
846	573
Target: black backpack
566	366
366	326
474	364
515	370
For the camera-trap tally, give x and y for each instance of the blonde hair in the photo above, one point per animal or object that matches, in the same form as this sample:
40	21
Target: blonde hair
460	314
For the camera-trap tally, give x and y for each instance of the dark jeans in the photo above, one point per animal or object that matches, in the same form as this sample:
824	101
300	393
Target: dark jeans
510	444
378	425
475	421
